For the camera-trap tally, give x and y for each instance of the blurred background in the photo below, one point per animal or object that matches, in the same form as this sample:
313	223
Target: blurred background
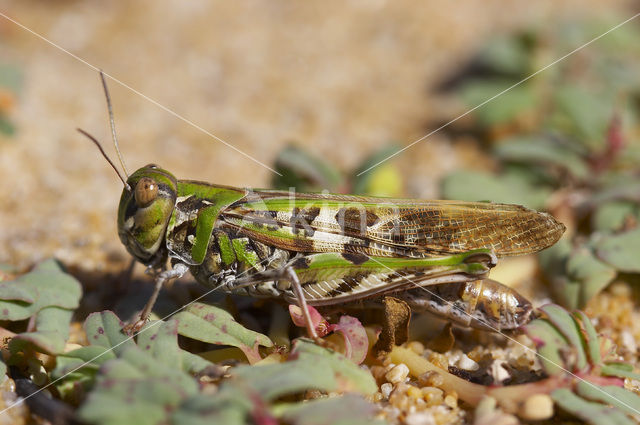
342	81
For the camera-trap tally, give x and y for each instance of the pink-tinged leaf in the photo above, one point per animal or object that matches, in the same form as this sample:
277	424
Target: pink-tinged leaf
213	325
320	324
356	342
355	338
602	380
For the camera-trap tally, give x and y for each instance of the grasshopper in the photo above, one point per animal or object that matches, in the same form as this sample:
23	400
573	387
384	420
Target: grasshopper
329	249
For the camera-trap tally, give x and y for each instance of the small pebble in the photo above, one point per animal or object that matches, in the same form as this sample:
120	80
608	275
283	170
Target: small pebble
414	392
420	418
432	395
537	407
451	401
386	389
498	354
416	346
628	341
466	363
620	289
393	413
477	353
398	373
439	360
524	362
443	415
378	372
498	371
454	357
430	378
523	339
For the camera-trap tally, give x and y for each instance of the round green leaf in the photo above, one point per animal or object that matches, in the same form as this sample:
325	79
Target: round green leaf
591	274
542	150
215	326
621	250
500	110
611	216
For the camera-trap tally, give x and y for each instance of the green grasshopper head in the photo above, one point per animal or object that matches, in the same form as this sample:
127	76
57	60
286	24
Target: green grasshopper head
146	204
144	212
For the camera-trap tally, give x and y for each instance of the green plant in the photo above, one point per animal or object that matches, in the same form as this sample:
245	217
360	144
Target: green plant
150	379
580	374
566	141
592	379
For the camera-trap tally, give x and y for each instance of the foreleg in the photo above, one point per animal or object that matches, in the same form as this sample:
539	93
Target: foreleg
176	272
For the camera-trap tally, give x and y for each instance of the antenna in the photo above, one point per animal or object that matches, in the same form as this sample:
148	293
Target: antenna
113	124
93	139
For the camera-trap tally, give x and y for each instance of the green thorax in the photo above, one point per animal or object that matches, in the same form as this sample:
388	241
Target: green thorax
159	216
197	207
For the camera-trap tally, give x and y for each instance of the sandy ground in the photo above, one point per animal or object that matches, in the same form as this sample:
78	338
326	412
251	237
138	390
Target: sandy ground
339	78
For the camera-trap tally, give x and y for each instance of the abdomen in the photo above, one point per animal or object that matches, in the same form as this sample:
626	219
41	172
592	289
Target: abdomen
481	304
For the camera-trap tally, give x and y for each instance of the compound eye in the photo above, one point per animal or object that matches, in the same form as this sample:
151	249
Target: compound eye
146	191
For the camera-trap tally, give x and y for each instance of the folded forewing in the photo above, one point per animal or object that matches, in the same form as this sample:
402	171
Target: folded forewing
389	227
